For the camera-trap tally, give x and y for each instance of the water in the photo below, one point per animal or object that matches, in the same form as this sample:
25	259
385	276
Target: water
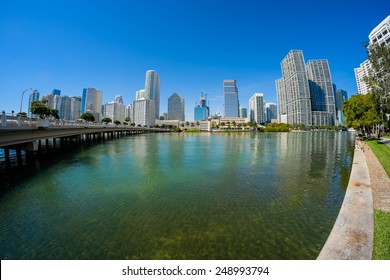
182	196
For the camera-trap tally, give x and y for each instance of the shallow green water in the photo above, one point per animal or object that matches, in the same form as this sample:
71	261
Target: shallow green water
180	196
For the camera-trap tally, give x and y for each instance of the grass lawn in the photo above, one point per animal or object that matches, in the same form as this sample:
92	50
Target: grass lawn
382	152
381	235
381	219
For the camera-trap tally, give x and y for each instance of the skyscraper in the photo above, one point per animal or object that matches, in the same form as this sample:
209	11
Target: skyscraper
270	112
296	89
341	96
256	108
144	112
152	90
282	101
34	96
75	107
321	90
201	111
92	102
231	98
379	35
243	112
305	93
176	107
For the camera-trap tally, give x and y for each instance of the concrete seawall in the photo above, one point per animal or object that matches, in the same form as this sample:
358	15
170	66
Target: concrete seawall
352	235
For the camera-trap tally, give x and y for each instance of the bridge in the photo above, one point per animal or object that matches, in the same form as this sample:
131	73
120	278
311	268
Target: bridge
29	137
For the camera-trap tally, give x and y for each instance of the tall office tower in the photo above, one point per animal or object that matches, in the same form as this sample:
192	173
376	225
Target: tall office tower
64	110
256	108
282	101
118	99
140	94
243	112
91	102
296	89
115	110
152	90
360	73
144	112
130	112
379	35
50	100
56	92
75	107
341	96
321	92
231	98
270	112
201	111
34	96
176	107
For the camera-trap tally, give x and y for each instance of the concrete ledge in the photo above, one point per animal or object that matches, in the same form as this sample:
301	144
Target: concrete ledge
352	235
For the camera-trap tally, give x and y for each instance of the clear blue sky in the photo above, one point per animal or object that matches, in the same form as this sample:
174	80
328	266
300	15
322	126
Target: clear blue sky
193	44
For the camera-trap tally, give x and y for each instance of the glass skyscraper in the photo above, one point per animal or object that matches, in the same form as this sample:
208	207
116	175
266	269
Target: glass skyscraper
231	99
176	107
321	90
152	90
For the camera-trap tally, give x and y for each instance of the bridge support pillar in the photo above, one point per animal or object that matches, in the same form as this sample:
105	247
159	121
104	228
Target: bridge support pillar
7	159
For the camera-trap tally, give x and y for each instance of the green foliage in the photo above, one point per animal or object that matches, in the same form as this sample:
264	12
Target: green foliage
360	111
116	122
379	78
381	249
39	107
128	120
88	117
274	127
106	120
22	114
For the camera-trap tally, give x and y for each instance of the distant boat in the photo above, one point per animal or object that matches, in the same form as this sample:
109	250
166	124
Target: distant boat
351	129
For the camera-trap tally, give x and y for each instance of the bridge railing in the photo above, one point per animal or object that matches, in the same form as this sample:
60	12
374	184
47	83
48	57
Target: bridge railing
14	122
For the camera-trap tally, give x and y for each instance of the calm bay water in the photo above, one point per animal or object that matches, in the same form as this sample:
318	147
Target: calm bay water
182	196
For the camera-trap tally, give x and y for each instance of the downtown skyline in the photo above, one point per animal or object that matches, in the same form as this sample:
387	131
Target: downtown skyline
193	46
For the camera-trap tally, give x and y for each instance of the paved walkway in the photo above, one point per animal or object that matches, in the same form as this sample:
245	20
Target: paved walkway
380	181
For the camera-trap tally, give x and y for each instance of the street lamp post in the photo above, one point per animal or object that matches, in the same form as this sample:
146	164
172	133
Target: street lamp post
20	110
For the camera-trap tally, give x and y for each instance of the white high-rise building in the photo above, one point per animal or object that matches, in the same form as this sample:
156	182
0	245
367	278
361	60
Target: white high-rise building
282	101
256	108
140	94
144	112
152	90
130	112
75	108
91	102
379	35
295	89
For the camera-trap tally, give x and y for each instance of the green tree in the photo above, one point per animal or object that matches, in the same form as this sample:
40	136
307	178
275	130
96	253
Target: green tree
106	120
360	112
88	117
39	107
22	114
128	120
116	122
379	78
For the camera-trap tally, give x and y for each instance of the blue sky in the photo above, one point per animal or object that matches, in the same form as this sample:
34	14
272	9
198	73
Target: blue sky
194	45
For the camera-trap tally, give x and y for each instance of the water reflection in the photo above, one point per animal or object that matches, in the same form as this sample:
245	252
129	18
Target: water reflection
180	196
